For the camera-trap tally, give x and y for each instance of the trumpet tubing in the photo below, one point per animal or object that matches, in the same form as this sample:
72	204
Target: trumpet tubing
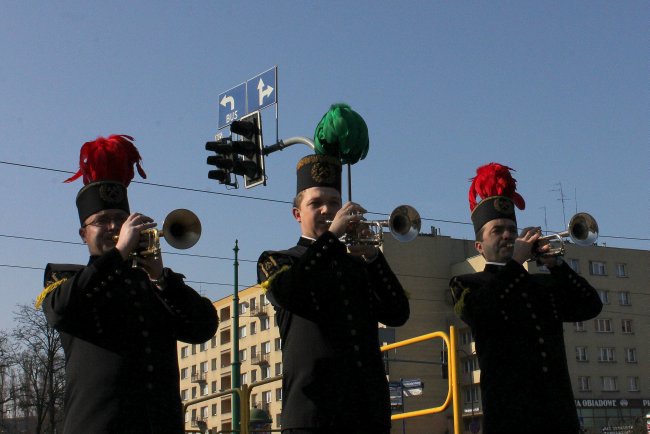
582	230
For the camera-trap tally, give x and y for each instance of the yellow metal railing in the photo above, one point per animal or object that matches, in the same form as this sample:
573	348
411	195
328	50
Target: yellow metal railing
453	397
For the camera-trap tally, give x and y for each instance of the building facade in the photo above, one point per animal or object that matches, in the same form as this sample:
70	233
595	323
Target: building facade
608	357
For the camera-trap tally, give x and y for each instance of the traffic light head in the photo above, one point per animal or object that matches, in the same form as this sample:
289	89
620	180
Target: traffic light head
250	128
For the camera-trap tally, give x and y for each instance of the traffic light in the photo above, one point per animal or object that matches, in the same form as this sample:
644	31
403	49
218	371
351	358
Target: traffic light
251	162
223	160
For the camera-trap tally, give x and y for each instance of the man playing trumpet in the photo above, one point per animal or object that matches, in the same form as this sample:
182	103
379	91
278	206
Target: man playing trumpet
119	324
516	317
328	302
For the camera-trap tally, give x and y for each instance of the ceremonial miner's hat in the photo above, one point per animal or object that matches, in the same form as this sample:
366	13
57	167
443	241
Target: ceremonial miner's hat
106	165
496	188
318	171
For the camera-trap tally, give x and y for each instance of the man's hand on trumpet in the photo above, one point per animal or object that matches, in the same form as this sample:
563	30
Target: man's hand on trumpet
529	245
132	239
346	221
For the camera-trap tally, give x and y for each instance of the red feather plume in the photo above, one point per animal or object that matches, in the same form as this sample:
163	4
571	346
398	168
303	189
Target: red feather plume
494	179
110	158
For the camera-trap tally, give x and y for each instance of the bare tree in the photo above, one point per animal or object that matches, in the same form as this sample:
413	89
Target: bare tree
40	364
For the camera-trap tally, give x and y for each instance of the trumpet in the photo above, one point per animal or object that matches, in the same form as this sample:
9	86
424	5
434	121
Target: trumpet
582	230
181	228
404	225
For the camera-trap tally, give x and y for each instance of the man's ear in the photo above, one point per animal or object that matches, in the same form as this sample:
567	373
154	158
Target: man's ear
82	234
296	214
479	247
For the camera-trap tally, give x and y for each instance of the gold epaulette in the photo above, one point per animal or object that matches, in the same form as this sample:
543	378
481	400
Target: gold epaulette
267	283
47	290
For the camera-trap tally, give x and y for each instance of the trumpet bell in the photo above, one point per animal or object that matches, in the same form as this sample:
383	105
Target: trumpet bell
181	228
404	223
583	229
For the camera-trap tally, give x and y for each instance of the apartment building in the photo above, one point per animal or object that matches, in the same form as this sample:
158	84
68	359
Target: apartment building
206	369
608	357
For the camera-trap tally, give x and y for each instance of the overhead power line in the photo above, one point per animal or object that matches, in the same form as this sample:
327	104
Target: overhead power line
241	196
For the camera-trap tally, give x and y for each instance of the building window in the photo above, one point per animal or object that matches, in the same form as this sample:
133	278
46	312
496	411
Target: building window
603	325
205	390
263	300
470	365
266	397
214	410
213	364
184	373
203	346
224	314
581	354
583	384
243	308
621	270
193	392
575	265
606	354
266	347
579	326
633	384
253	328
214	387
265	323
278	368
242	355
626	326
225	359
244	378
597	268
604	295
609	384
253	351
184	352
204	367
213	342
630	355
466	337
624	298
252	304
278	344
253	376
471	394
242	332
266	372
184	395
278	394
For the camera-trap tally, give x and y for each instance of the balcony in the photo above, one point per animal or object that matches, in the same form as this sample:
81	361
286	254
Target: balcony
260	359
259	311
199	422
199	377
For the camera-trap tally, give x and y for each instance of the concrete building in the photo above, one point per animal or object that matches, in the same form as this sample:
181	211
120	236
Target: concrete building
609	357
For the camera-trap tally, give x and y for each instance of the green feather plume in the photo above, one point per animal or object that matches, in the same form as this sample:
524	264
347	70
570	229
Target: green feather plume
342	133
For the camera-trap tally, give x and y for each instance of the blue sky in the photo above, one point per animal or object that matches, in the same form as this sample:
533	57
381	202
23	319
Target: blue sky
557	90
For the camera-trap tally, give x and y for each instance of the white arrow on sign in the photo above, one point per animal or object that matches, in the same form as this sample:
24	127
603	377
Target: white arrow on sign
228	99
262	91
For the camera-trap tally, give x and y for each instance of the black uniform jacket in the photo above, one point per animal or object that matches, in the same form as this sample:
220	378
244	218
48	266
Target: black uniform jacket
328	304
119	336
516	319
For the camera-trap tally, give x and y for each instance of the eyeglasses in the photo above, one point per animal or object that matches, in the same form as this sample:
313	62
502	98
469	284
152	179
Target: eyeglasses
105	221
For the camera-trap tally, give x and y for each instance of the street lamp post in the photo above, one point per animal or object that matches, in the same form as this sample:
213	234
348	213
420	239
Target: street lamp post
236	364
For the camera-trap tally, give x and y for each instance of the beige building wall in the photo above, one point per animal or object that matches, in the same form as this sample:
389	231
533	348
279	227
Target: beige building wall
615	344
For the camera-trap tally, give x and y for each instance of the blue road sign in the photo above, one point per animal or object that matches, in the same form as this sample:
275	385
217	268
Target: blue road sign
262	90
232	105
